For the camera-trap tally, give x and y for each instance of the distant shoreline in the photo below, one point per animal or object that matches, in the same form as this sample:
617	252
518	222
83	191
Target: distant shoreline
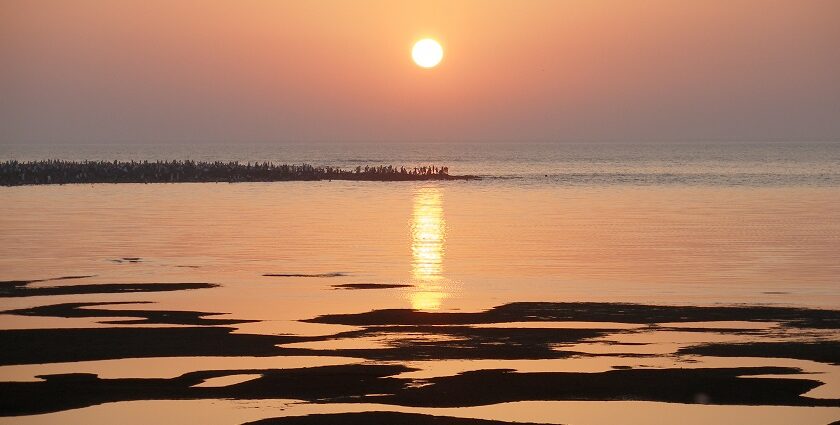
14	173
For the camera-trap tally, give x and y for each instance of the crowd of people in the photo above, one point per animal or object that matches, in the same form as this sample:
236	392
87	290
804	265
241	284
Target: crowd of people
15	173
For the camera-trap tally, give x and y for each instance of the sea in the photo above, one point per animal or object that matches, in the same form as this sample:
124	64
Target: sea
700	224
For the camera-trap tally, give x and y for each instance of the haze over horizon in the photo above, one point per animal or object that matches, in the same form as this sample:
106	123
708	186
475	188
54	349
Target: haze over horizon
331	71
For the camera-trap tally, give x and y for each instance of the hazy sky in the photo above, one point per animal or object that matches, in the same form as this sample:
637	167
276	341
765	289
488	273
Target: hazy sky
341	70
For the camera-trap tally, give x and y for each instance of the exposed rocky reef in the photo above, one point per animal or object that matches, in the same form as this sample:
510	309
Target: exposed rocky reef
367	383
21	288
14	173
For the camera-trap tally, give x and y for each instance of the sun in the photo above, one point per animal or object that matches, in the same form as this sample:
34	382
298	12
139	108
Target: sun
427	53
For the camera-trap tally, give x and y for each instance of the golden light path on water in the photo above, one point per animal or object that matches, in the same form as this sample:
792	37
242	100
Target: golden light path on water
428	237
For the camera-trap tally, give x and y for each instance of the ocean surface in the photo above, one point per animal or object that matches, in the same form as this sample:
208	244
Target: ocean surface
672	224
582	164
678	222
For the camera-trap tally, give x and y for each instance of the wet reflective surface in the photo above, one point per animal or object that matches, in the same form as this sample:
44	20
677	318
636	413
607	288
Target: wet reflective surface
428	242
260	258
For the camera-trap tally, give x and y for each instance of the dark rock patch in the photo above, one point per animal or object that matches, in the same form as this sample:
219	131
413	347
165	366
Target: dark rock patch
20	288
366	383
127	260
70	391
367	418
16	173
406	343
716	385
74	310
63	278
33	346
818	351
352	286
593	312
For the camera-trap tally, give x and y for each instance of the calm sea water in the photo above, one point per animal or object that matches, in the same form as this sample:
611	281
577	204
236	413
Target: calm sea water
674	223
670	224
758	164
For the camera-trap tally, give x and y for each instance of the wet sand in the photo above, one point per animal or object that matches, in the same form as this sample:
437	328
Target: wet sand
412	335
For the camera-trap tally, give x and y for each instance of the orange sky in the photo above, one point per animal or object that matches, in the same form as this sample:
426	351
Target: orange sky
335	70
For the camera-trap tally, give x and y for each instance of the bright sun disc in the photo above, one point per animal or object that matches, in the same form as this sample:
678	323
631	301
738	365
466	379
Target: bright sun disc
427	53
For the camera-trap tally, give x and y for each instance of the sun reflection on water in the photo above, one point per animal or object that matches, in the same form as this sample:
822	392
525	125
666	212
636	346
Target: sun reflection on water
428	236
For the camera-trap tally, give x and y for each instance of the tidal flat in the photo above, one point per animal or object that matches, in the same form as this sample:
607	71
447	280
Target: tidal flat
410	335
442	302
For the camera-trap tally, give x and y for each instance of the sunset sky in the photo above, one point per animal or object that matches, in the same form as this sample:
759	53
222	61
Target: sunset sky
521	70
